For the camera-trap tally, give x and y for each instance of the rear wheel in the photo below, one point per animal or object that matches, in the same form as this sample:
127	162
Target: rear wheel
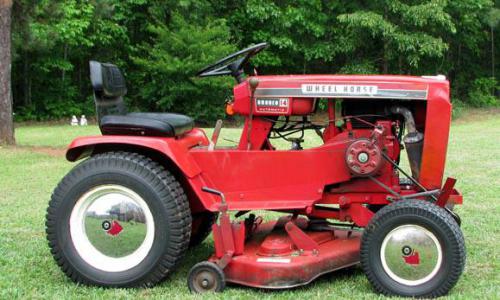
413	248
118	219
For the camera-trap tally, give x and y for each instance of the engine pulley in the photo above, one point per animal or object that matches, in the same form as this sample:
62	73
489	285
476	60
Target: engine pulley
363	157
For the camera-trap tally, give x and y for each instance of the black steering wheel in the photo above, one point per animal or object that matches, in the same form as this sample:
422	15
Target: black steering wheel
232	64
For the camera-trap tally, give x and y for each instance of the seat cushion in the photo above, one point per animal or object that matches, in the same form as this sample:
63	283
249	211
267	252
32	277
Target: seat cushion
146	124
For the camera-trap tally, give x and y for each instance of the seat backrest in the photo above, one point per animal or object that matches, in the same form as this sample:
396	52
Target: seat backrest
109	88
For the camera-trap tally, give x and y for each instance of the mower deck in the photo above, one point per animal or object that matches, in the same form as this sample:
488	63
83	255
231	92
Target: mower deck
272	260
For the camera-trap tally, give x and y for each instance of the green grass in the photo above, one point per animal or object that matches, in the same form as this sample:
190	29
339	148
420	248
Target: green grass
27	178
52	136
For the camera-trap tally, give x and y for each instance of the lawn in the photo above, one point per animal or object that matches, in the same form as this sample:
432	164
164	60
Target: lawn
29	172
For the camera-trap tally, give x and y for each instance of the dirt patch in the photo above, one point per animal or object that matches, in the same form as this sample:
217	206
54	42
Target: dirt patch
49	151
54	152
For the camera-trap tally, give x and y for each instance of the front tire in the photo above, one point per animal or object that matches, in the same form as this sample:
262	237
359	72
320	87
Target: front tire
413	248
118	219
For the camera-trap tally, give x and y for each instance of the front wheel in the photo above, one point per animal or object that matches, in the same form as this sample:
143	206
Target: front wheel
413	248
118	219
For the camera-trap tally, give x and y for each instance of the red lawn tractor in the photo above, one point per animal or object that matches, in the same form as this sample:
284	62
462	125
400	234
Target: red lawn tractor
152	186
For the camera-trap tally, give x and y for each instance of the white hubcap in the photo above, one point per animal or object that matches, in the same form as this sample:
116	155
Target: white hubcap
112	228
411	255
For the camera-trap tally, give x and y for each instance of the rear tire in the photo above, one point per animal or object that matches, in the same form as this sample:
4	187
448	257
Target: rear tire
413	248
118	219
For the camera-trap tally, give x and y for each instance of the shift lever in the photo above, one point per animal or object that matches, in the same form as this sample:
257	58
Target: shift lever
215	135
254	83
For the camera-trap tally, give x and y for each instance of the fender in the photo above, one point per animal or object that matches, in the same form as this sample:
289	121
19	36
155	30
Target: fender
175	148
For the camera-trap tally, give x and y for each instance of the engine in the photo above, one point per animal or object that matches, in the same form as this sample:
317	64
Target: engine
371	130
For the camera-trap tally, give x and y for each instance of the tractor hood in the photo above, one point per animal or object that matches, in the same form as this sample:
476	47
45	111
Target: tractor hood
346	86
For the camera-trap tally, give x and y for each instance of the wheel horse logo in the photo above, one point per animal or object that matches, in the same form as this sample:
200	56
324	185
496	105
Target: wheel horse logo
339	89
272	105
112	228
410	255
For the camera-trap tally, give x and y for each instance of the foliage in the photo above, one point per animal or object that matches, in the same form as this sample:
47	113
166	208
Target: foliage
407	33
481	94
459	108
178	51
493	17
162	44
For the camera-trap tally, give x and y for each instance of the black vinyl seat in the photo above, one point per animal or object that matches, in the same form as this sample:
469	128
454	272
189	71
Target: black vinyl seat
147	124
109	88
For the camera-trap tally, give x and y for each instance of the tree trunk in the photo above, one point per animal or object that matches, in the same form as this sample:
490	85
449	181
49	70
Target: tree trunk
385	59
26	80
65	57
6	122
492	53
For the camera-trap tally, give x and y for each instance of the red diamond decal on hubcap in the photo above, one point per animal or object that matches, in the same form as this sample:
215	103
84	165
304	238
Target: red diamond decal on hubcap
413	258
115	229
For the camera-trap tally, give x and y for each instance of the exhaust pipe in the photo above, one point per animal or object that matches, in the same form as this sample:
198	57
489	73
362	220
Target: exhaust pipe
413	140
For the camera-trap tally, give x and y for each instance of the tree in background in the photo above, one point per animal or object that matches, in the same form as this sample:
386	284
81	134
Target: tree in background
493	19
304	35
6	123
467	62
177	51
50	44
381	36
161	44
404	34
183	38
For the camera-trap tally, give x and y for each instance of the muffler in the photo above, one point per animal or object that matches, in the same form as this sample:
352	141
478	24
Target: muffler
413	140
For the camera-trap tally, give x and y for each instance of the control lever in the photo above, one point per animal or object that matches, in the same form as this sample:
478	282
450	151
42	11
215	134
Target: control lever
215	192
215	135
254	83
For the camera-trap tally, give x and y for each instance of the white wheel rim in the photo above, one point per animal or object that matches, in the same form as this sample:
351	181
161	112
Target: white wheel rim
135	223
420	255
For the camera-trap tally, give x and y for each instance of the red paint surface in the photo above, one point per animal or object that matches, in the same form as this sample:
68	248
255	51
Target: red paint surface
412	259
115	229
